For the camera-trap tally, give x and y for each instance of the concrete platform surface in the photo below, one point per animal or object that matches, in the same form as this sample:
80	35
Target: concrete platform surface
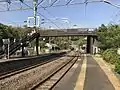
88	74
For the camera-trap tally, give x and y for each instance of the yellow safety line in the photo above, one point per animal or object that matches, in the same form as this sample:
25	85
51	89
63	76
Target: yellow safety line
81	77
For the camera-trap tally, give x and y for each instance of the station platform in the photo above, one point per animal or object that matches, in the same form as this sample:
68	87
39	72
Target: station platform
89	73
30	57
21	58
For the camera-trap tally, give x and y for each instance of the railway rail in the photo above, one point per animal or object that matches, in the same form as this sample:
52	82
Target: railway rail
45	59
31	79
53	78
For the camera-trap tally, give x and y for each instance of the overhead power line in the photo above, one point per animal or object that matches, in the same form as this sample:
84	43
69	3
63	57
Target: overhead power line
43	16
86	3
53	3
110	3
46	10
113	19
40	2
62	5
69	2
49	20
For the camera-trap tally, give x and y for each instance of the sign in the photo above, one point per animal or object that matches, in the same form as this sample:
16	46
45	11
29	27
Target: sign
30	22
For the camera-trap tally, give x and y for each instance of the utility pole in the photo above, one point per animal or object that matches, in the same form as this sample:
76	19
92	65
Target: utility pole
35	12
35	23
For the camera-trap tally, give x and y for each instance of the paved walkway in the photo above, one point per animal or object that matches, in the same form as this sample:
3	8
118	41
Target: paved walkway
89	74
95	78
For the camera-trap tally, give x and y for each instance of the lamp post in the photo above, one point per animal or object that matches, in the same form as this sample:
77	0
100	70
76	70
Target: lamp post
35	12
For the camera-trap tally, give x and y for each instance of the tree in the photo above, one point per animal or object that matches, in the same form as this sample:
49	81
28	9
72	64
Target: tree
108	36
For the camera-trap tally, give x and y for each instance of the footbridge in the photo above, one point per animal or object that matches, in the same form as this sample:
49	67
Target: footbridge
68	32
90	33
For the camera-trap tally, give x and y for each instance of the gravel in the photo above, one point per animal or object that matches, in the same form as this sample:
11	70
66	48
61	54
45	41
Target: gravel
25	80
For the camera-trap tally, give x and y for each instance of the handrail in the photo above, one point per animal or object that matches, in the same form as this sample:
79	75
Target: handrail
16	45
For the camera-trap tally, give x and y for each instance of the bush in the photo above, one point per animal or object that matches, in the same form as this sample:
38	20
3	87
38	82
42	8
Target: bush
111	56
117	68
114	59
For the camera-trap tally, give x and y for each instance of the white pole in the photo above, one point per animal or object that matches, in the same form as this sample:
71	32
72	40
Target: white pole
49	43
8	50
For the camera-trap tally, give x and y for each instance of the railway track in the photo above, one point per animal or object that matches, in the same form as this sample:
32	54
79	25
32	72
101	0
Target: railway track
53	78
28	67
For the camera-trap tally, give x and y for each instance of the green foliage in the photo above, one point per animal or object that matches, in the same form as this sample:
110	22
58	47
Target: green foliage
109	41
75	38
117	68
108	36
11	32
82	41
110	55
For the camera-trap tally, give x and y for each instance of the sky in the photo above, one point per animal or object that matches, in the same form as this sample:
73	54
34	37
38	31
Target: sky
63	17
